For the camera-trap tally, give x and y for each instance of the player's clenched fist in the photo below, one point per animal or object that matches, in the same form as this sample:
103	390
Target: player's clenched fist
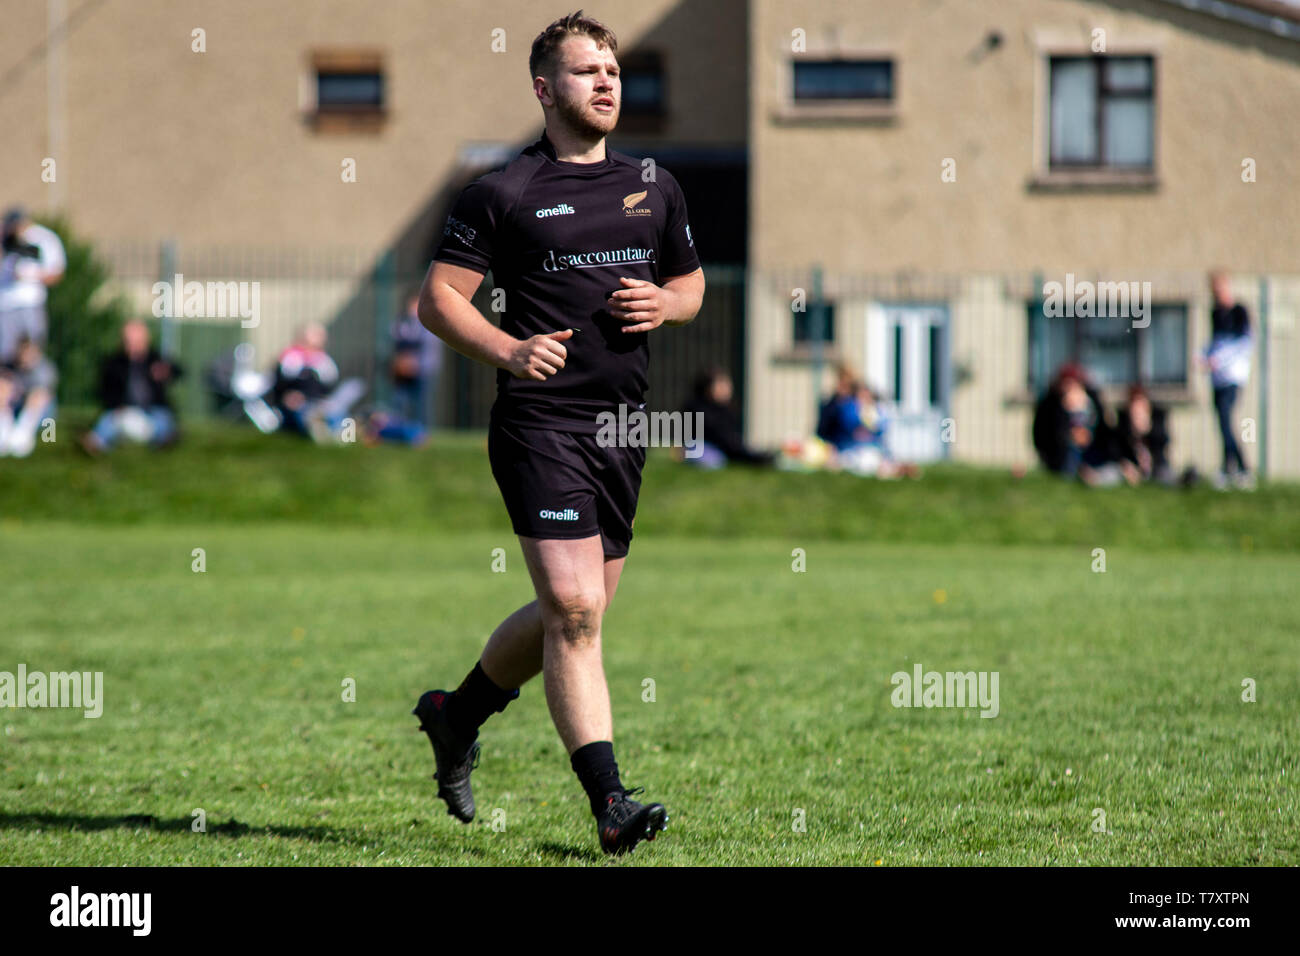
539	357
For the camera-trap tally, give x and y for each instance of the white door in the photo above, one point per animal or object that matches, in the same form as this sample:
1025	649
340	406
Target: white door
907	364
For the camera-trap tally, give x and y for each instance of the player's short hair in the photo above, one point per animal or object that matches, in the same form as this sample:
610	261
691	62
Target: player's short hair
542	59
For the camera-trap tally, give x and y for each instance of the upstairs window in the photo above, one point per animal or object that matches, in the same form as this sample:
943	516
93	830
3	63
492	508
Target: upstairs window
644	86
1102	113
843	81
348	90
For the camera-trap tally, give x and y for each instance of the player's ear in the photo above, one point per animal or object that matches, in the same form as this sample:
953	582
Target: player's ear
543	91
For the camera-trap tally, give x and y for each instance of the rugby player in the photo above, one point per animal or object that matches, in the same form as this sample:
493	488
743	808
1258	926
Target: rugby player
592	256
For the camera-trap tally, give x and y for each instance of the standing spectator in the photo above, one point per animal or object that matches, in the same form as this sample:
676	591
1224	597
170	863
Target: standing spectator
1228	359
26	398
307	389
33	261
133	387
416	364
721	439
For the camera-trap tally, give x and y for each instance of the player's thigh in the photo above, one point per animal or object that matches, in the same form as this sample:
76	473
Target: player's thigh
568	575
613	571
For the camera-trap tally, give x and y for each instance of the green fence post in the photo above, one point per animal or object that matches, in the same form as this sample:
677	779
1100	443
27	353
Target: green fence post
385	311
815	322
737	279
1038	360
1262	430
167	258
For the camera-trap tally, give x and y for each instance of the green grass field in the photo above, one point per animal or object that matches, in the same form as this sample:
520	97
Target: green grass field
223	689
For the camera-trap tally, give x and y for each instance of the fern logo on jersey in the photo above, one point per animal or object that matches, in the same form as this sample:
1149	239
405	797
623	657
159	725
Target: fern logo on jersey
630	204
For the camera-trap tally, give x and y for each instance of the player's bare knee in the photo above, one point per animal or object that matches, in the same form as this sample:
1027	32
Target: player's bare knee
576	618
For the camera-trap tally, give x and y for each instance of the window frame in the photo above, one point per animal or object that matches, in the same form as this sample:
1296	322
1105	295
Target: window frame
643	62
1141	344
807	342
856	110
1102	94
831	61
341	117
1043	177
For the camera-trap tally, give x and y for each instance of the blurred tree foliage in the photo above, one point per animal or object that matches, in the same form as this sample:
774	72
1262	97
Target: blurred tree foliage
85	318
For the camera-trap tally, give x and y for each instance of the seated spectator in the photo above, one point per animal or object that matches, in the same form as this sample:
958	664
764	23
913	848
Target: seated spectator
1141	441
307	390
721	439
852	423
1070	431
384	427
839	421
133	385
26	398
414	367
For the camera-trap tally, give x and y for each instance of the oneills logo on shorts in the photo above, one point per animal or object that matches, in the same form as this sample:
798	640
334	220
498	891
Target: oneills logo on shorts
568	514
630	204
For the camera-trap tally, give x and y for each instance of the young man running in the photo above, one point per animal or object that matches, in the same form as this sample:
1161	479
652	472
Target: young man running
592	256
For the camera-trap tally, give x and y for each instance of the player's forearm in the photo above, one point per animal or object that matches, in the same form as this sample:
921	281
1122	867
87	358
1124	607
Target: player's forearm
454	319
685	295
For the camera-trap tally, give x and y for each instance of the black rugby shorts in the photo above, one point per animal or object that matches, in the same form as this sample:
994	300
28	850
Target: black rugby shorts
563	485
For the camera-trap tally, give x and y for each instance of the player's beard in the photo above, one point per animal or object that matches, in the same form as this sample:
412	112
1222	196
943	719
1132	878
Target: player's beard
583	119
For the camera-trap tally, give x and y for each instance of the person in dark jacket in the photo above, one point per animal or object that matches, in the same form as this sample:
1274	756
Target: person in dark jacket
1070	430
133	385
839	420
722	440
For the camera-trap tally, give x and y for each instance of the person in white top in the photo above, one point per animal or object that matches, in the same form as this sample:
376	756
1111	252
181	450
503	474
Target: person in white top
1228	360
33	261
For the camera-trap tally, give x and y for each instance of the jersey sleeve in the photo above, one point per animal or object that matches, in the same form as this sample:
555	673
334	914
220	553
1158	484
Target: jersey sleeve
472	234
677	252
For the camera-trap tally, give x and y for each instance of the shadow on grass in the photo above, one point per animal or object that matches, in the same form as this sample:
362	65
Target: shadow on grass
134	821
569	852
74	822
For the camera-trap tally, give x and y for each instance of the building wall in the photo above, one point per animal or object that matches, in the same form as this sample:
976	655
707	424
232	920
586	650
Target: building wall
212	147
856	196
865	198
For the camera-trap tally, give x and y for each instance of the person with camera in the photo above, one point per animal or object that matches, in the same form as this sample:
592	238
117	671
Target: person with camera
416	362
33	260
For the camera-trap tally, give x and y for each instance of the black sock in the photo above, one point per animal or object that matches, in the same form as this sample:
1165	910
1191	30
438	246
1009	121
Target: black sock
597	770
475	700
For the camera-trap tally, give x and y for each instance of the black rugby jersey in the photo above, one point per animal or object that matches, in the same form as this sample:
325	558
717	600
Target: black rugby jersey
557	236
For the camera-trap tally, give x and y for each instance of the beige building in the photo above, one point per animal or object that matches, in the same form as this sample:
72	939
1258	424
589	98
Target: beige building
914	173
941	163
313	146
